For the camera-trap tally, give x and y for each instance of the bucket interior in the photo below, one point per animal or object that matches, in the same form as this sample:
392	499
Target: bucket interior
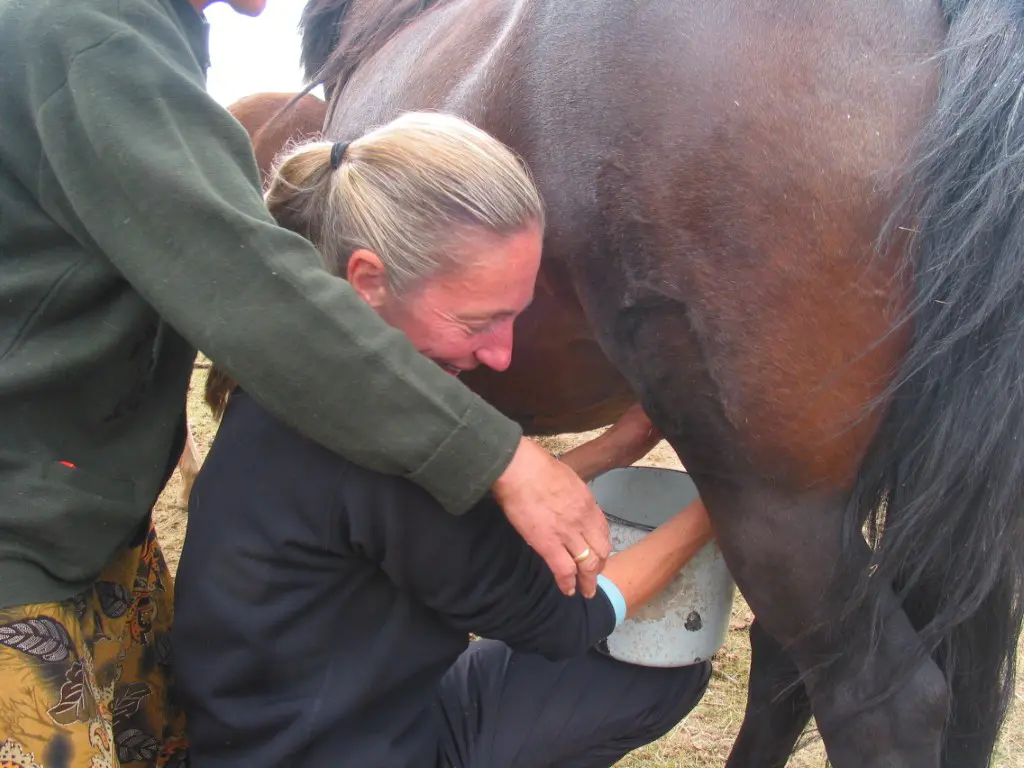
643	497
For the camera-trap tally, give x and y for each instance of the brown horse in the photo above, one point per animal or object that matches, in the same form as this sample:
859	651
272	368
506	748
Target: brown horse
795	230
257	112
301	121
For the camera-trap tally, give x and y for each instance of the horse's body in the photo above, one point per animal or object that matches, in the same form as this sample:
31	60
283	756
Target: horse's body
717	177
257	112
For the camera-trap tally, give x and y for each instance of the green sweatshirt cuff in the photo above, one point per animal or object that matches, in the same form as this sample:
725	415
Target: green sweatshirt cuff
465	466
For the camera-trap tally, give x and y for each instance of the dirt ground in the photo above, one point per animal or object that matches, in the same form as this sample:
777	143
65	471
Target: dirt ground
702	740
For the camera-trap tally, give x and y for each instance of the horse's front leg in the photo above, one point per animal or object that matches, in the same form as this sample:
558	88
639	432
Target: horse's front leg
785	552
778	707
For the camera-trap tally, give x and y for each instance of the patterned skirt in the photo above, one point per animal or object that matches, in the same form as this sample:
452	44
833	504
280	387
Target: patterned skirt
86	683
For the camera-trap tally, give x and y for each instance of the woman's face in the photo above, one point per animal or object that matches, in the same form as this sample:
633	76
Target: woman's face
463	318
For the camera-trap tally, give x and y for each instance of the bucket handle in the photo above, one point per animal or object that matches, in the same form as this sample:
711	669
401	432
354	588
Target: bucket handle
628	523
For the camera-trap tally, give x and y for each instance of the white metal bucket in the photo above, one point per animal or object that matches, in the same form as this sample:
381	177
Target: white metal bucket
688	622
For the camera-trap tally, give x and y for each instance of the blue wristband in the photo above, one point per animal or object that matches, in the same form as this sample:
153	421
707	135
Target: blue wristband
614	596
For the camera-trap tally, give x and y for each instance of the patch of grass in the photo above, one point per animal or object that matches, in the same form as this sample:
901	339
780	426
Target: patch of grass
703	739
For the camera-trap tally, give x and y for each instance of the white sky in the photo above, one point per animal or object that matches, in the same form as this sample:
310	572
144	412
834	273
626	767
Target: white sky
249	55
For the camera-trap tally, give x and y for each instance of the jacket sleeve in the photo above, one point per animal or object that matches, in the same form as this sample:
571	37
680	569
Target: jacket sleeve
474	570
142	166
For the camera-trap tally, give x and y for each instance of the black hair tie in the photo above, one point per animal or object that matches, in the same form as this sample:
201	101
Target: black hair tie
338	154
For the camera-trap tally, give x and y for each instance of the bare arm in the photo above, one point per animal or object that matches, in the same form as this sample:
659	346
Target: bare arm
644	569
626	441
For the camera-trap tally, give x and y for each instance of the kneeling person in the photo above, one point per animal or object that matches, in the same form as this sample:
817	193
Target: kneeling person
323	609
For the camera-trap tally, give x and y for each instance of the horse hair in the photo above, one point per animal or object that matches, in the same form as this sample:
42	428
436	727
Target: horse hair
331	51
942	485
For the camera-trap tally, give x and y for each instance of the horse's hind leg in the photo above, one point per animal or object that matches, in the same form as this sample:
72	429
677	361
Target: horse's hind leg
878	702
787	555
778	707
972	729
756	355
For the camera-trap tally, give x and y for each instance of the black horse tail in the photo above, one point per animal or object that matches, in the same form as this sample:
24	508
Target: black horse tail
942	484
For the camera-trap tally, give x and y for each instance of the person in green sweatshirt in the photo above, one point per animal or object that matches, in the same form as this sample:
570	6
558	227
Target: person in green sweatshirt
133	232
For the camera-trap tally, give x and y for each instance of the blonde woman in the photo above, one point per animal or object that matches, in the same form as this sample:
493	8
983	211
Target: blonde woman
323	609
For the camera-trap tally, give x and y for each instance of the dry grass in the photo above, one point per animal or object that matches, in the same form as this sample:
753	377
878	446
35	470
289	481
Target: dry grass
702	740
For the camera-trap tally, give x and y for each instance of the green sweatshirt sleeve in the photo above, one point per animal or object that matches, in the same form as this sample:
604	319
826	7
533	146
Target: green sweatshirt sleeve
148	170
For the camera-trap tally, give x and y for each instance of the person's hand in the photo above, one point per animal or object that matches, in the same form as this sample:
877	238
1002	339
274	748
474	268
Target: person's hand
555	513
632	437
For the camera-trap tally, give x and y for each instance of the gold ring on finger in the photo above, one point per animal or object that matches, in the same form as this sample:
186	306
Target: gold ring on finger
582	556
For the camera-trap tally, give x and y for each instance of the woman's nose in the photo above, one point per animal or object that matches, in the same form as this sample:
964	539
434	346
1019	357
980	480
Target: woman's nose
496	353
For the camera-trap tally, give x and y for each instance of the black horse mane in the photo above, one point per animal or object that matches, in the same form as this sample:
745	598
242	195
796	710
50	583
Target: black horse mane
332	49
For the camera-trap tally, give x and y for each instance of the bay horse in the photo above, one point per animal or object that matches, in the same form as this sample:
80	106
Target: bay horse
274	120
795	231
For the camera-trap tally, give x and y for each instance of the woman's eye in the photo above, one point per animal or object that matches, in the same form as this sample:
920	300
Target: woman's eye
475	328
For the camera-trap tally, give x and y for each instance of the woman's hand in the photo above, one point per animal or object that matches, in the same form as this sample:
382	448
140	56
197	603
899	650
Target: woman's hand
555	514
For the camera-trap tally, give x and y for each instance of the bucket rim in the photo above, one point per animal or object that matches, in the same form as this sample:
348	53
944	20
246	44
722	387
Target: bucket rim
628	523
631	523
635	467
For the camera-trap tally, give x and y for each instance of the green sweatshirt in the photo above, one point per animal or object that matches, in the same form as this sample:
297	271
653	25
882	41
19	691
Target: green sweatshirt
132	232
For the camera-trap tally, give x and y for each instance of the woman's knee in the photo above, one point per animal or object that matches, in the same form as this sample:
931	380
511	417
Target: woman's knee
679	691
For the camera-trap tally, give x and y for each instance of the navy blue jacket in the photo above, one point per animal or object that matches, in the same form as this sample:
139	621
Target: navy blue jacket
319	604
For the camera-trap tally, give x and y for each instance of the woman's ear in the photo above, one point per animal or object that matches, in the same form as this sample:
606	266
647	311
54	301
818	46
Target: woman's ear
368	277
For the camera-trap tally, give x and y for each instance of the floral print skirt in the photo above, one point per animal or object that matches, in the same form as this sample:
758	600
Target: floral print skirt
86	683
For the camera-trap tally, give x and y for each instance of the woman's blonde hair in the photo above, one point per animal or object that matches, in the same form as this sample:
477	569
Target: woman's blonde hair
408	191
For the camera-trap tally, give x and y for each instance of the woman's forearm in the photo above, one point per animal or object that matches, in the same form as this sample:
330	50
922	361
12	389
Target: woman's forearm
593	458
626	441
644	569
641	571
